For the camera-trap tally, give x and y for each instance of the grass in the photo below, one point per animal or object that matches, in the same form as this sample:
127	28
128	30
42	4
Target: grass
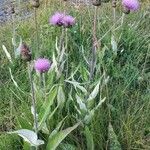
127	105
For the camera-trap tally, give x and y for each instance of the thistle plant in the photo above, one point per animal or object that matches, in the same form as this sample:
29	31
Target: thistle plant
63	21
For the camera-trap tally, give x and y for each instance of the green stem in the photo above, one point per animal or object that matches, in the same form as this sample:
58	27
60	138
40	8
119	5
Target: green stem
14	34
42	82
33	99
94	47
37	33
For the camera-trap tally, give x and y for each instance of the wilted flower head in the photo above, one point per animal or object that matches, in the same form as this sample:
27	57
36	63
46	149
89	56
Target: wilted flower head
68	21
57	19
25	52
42	65
131	5
60	19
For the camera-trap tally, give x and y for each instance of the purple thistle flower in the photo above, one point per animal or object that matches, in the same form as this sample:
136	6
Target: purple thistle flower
57	19
132	5
68	21
42	65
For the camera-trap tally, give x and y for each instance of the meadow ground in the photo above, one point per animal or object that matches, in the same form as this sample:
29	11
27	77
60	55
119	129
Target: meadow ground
123	120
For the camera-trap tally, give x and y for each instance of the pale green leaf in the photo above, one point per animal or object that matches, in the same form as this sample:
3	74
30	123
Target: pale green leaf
81	104
46	108
7	53
89	139
60	96
56	139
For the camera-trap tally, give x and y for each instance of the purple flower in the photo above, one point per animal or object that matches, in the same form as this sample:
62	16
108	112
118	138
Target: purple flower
42	65
132	5
68	21
57	19
60	19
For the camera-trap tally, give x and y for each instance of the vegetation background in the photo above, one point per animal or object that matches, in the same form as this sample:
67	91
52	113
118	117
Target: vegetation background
127	92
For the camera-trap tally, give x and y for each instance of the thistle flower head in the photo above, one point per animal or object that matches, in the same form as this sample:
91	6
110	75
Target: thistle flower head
68	21
60	19
131	5
57	19
42	65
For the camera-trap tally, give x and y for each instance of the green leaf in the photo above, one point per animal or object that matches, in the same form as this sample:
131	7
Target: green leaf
114	143
29	136
45	109
56	139
7	53
23	123
81	104
66	146
93	95
57	128
77	85
89	139
26	146
89	116
60	96
114	44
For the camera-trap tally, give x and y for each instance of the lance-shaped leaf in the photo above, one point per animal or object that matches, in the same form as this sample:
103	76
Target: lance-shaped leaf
93	95
89	116
45	109
18	50
29	136
55	131
77	85
56	139
81	104
12	78
113	140
89	139
114	44
60	96
7	53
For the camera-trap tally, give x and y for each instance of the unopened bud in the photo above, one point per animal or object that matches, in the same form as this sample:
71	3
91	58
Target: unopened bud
96	2
35	3
126	11
11	9
114	3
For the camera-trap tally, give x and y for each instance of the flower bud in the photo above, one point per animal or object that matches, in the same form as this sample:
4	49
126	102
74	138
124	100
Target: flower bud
114	3
11	9
96	2
126	11
35	3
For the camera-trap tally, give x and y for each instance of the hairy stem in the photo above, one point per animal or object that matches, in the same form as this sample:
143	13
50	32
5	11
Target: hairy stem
94	46
33	98
37	33
42	82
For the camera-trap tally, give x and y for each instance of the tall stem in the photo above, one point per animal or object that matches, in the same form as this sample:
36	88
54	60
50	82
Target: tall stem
43	88
37	33
62	40
14	33
33	99
94	46
61	49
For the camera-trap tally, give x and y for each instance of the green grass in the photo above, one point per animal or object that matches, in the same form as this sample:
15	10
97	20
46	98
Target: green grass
127	105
